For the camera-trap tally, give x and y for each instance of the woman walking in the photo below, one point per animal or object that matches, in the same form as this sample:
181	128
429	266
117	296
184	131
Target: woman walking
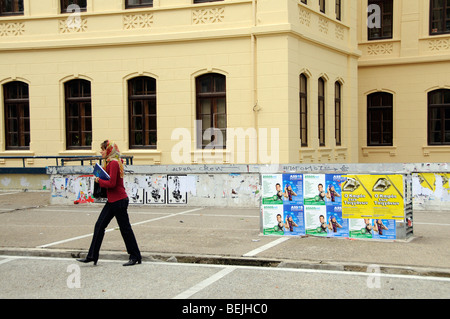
116	206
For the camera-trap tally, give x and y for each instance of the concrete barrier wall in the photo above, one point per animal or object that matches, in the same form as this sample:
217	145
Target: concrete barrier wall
231	190
236	185
25	182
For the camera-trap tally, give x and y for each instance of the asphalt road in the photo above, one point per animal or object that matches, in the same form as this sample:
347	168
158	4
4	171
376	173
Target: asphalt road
49	278
37	240
218	232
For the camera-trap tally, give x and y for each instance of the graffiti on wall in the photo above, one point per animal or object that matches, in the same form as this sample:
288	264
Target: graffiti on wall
74	188
238	190
143	189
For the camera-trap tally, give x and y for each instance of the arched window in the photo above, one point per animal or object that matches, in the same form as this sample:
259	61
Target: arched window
338	113
321	105
78	114
211	111
142	113
439	117
380	119
304	110
17	116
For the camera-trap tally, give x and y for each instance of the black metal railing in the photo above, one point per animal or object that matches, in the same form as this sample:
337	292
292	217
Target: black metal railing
64	159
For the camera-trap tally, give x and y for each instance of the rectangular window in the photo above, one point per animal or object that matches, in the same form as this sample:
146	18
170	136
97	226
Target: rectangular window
380	119
78	114
304	110
338	9
439	117
321	112
11	7
142	113
322	6
337	113
203	1
68	4
439	17
138	3
383	17
17	116
211	111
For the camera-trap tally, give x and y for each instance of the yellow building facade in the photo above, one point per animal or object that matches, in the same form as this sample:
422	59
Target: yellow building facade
407	65
224	82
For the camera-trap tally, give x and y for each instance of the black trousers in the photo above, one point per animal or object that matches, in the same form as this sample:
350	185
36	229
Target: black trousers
119	210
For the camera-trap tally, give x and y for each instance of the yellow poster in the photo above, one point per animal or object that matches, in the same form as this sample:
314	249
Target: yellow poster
388	197
356	197
427	180
445	180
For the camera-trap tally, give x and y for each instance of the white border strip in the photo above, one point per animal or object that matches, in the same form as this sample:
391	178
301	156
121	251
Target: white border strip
232	268
314	271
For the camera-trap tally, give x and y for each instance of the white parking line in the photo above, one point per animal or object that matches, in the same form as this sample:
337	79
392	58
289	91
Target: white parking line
164	217
111	229
5	261
205	283
141	212
3	194
265	247
433	224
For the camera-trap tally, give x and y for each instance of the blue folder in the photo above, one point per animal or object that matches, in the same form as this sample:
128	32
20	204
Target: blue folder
100	172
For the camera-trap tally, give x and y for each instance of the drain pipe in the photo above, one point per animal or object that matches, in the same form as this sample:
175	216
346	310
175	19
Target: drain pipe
256	107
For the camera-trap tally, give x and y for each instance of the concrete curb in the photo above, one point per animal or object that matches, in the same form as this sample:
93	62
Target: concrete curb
234	261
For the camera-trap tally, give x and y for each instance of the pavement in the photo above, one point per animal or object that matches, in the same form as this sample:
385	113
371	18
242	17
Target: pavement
31	226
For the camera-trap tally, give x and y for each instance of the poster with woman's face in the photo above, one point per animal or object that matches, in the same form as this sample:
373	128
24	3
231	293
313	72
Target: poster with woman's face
293	189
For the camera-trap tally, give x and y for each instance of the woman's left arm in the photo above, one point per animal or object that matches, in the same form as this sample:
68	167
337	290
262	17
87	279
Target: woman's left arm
113	174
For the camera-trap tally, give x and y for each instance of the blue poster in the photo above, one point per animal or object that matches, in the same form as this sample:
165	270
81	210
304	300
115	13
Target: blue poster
384	229
333	189
293	189
337	226
294	220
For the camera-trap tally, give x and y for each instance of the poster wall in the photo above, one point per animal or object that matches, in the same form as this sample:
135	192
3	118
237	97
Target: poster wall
431	190
332	205
373	196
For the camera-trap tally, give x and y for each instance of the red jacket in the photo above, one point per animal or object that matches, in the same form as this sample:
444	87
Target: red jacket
115	189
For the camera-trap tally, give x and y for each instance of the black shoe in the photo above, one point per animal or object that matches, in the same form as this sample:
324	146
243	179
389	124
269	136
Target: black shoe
132	262
88	260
